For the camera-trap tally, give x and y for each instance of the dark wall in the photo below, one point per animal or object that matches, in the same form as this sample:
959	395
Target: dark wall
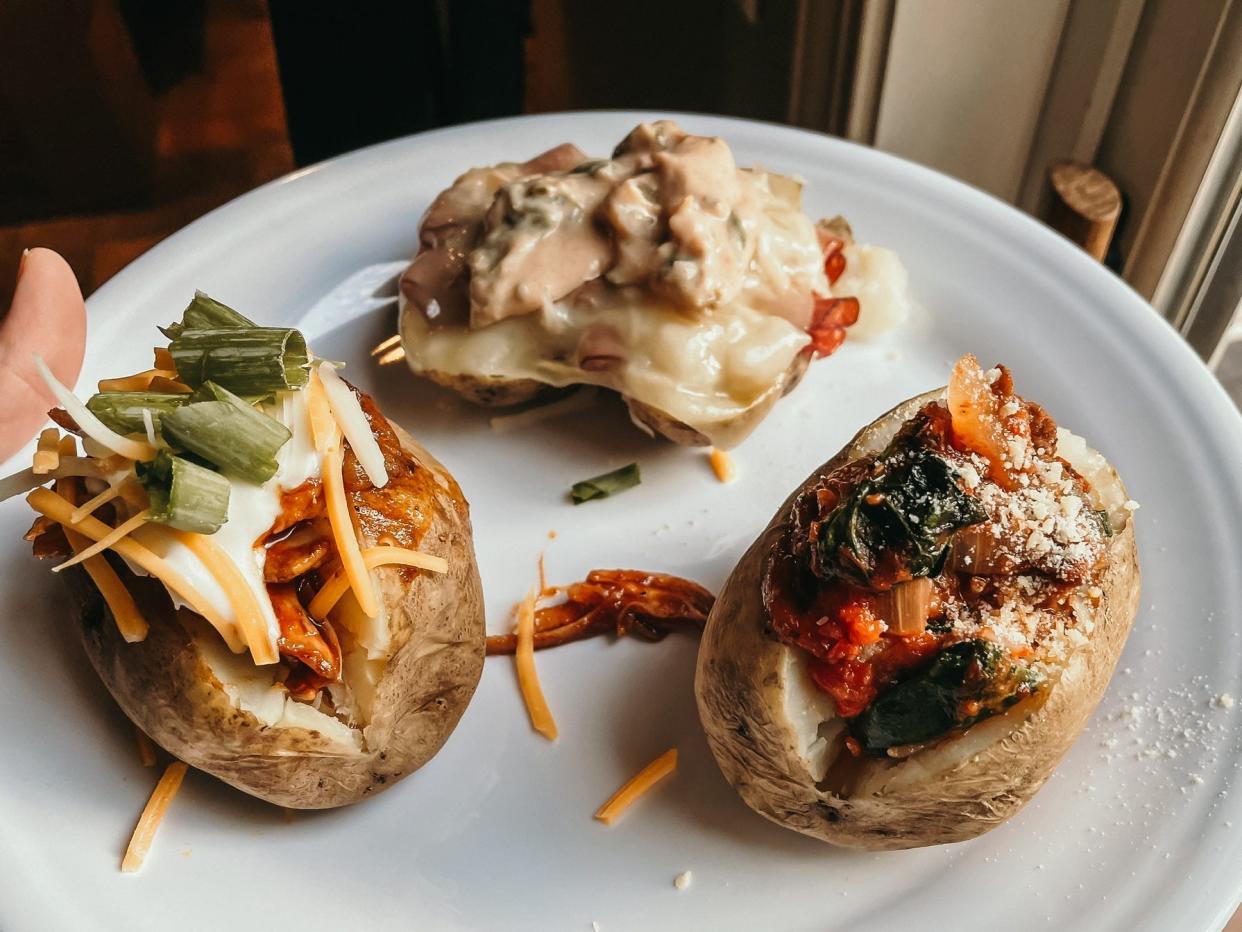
702	55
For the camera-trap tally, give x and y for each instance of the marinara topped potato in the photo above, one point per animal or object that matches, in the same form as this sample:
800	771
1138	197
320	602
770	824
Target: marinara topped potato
921	632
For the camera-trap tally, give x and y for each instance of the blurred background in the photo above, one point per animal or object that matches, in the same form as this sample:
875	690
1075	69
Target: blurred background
1118	122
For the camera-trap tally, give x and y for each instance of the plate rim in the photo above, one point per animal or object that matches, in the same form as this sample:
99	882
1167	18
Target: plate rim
1183	369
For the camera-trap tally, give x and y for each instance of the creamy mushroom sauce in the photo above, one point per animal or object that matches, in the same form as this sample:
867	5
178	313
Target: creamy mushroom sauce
665	272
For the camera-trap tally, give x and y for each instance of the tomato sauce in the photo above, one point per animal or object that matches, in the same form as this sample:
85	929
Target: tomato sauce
834	627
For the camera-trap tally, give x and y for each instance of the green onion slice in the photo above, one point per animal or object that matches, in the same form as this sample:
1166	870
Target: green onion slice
183	494
252	362
228	433
206	313
610	483
122	411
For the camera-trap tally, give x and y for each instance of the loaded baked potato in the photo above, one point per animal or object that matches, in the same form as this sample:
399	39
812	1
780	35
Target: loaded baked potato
925	626
697	290
283	592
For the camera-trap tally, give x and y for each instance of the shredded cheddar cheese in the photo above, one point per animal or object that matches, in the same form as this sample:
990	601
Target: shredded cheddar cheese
118	533
138	382
90	506
116	596
53	506
90	425
146	750
326	433
169	386
637	786
347	546
387	555
164	359
386	344
338	584
528	679
393	355
722	465
246	608
354	425
152	815
47	453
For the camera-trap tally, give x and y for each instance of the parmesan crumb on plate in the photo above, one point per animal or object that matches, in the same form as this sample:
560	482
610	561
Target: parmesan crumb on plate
682	880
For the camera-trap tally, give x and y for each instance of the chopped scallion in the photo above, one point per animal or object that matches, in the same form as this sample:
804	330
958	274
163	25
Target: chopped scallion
252	362
227	432
183	494
122	411
610	483
206	313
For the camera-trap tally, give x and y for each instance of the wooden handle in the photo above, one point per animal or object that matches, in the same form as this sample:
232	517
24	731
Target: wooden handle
1085	206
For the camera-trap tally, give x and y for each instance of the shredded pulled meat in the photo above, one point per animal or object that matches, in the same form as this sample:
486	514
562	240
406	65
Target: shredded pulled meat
307	547
312	648
647	605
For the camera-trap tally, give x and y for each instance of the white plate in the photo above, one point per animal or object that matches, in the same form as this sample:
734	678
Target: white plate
1136	828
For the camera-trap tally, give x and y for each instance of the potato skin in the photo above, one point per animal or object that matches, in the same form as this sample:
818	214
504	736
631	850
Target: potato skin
167	688
496	391
741	684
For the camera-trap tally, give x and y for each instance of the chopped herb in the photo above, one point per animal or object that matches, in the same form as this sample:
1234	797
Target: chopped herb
122	411
735	224
206	313
966	683
899	519
251	362
1106	526
183	494
228	433
610	483
588	168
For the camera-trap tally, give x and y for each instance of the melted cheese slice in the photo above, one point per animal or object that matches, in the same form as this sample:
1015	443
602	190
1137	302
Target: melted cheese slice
707	367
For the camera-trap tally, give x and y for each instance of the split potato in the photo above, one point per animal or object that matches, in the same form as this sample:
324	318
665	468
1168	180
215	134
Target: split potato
218	712
779	740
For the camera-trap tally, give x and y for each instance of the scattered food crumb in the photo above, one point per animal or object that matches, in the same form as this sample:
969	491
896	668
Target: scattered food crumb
682	880
722	465
1224	701
551	535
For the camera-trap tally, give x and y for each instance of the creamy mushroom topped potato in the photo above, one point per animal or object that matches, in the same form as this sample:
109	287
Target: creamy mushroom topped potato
696	289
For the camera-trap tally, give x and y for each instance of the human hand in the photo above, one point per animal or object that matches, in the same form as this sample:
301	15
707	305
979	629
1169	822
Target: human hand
47	318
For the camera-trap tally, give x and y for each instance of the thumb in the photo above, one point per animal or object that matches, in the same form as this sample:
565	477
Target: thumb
47	318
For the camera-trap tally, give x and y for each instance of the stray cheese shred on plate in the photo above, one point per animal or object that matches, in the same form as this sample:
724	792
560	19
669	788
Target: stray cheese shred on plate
528	679
637	786
723	465
152	815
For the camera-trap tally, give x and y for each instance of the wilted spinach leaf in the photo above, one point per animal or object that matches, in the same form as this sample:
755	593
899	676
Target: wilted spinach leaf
899	519
931	703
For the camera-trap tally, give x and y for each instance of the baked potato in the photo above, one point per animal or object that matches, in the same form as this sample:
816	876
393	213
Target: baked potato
696	290
308	629
920	633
